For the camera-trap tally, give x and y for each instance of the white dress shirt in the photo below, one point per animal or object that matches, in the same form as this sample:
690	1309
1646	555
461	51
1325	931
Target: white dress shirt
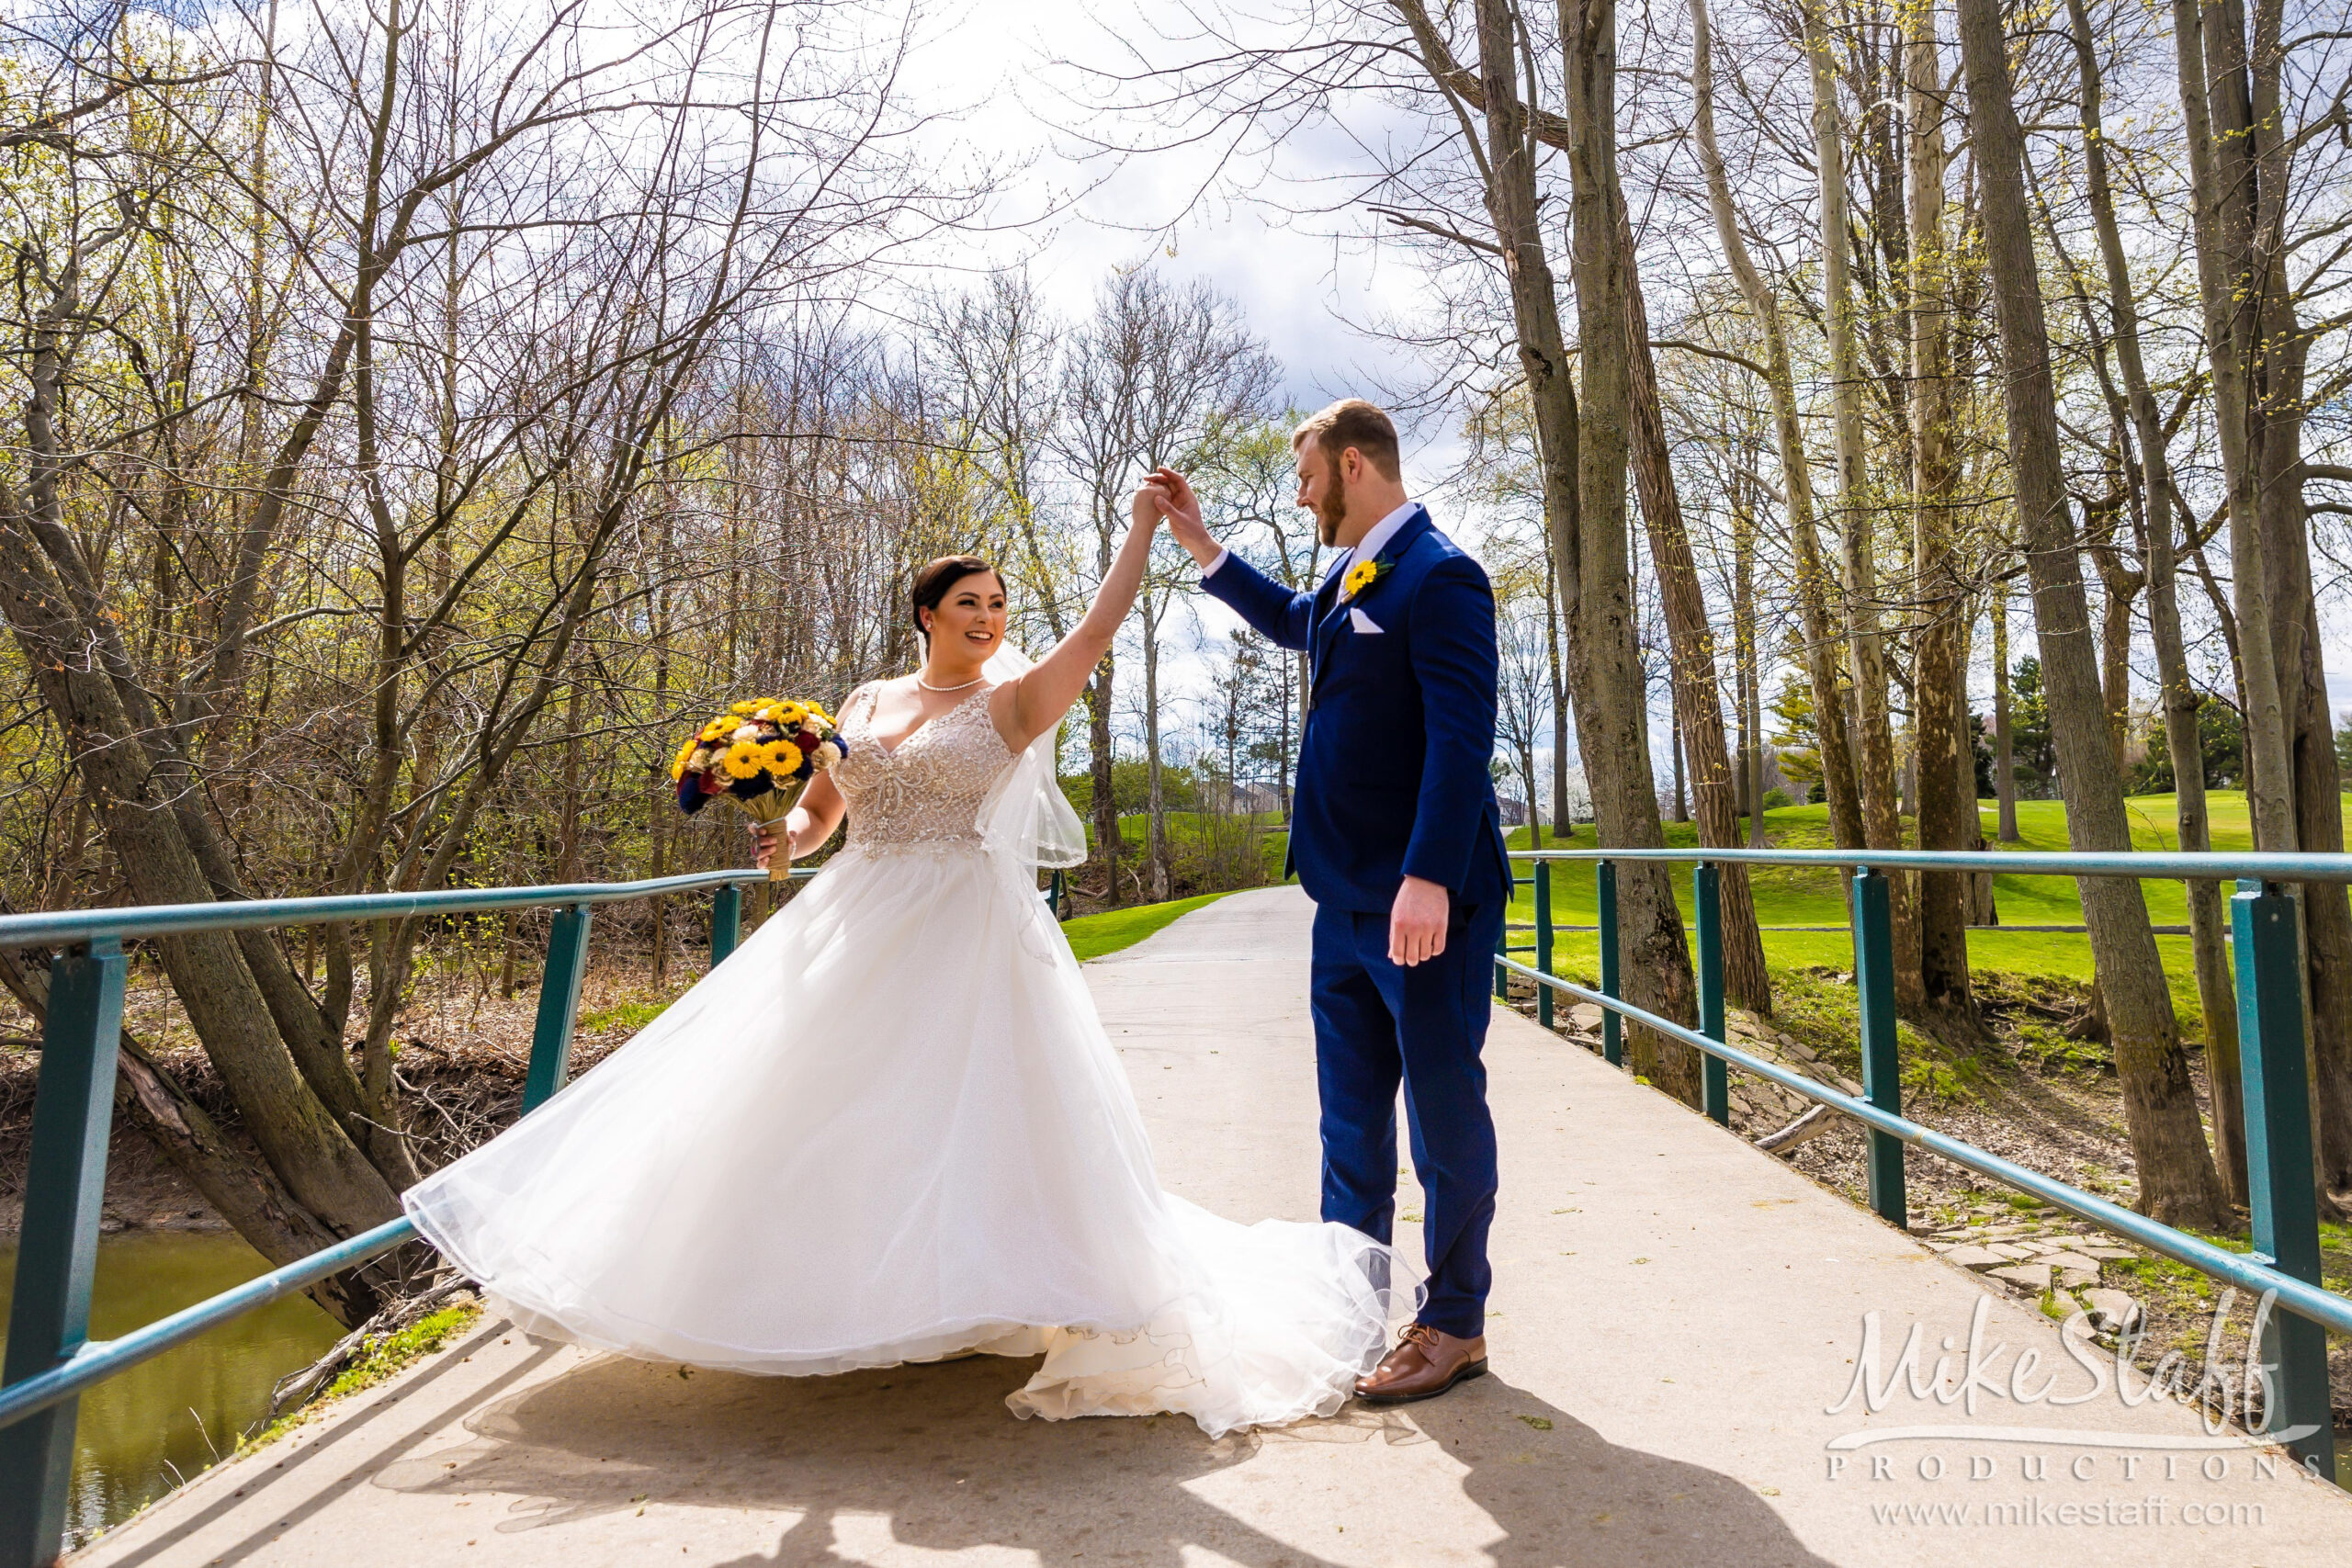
1370	546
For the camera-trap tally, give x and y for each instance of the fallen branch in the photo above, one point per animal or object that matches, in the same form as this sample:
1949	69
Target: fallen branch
1803	1130
296	1389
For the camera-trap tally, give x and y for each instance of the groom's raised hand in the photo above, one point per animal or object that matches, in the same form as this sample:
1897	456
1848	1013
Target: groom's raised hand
1183	509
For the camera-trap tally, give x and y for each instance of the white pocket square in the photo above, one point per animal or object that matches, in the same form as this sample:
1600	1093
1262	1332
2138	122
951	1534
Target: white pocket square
1359	621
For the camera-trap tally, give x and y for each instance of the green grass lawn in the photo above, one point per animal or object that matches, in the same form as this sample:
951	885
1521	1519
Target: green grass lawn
1185	827
1091	936
1806	896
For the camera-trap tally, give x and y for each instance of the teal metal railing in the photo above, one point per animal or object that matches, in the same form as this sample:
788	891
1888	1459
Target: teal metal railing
2285	1259
49	1359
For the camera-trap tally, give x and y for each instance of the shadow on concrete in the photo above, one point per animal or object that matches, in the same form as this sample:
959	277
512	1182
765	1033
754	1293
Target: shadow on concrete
1563	1494
300	1456
928	1458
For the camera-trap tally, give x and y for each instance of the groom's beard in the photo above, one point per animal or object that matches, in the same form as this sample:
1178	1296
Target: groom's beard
1331	512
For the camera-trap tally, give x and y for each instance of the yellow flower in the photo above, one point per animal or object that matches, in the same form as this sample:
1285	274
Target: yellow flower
743	759
1360	577
748	709
686	755
781	758
714	729
789	716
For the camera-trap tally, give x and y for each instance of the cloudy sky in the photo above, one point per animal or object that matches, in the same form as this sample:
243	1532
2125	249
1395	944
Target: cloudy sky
1074	215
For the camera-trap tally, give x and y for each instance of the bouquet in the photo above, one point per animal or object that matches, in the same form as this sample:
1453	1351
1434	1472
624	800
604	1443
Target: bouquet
760	754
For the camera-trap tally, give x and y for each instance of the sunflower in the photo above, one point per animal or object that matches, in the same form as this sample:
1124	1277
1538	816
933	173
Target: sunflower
781	758
1360	577
714	729
788	716
686	755
746	709
743	759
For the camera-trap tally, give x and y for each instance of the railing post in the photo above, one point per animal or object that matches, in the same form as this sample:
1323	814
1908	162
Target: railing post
1502	946
726	922
57	1254
1613	1030
1881	1065
558	1005
1706	892
2280	1193
1544	940
1055	887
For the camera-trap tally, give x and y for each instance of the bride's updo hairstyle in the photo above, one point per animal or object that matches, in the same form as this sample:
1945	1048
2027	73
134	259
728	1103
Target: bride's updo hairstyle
932	582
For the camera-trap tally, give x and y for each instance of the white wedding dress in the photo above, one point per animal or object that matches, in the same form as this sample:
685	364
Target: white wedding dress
891	1128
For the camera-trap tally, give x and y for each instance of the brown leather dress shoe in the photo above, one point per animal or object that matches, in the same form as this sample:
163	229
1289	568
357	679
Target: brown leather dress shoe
1424	1365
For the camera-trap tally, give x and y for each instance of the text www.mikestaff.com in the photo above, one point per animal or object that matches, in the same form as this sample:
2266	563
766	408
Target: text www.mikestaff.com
2042	1511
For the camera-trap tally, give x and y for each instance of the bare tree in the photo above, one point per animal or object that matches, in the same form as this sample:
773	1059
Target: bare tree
2177	1183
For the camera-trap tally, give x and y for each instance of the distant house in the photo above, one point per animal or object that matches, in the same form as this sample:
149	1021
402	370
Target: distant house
1514	809
1247	799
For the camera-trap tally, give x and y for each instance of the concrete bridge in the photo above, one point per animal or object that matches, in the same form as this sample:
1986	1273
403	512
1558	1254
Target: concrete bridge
1674	1316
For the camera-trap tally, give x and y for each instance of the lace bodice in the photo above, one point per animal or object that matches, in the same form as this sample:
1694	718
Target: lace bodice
929	790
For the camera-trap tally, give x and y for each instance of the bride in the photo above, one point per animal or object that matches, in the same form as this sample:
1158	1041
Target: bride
891	1128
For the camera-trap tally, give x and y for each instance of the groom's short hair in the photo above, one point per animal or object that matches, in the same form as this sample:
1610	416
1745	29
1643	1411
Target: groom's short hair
1352	421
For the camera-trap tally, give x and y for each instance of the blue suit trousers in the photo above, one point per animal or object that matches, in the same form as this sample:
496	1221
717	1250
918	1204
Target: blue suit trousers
1377	1025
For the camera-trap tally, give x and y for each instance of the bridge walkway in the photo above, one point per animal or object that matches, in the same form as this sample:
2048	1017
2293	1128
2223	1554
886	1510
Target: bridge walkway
1674	1314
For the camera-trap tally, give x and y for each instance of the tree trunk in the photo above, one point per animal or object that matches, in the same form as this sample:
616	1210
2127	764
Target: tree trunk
309	1148
1978	896
2217	125
1107	807
1156	808
2327	918
1674	718
1947	780
2177	1183
2177	696
2005	767
1751	673
1604	664
241	1190
1821	629
1866	652
1563	820
1697	698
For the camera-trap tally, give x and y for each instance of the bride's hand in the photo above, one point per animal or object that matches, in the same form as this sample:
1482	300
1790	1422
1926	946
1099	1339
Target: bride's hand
1149	505
763	836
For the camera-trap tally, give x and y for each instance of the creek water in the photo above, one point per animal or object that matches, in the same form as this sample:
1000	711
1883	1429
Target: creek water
142	1433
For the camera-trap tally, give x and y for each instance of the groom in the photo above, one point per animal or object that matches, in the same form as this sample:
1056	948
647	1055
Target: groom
1395	836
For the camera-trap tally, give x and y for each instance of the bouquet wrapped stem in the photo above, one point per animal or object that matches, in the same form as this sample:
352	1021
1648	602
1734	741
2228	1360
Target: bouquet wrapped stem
773	806
758	754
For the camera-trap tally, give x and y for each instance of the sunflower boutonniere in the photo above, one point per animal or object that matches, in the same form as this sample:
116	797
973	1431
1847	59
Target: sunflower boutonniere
1362	576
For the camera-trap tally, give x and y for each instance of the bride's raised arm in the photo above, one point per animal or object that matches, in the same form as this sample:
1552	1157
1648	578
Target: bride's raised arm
1044	692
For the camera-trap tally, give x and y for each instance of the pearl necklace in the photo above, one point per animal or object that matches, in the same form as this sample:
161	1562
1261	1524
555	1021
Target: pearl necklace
929	687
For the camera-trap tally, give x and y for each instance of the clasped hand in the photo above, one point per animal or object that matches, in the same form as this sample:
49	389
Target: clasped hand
1165	493
764	835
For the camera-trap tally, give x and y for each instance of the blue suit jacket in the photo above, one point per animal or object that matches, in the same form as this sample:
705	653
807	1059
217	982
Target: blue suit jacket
1392	768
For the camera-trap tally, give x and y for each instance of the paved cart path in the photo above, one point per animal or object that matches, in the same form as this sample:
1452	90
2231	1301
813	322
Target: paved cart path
1674	1312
